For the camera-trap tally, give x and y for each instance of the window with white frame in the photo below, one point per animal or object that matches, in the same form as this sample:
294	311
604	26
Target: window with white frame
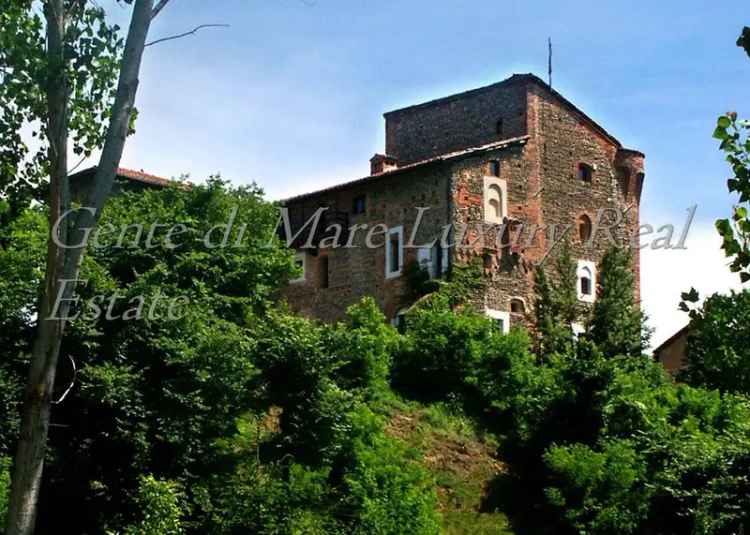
300	262
578	329
394	252
433	259
399	320
586	281
495	199
500	317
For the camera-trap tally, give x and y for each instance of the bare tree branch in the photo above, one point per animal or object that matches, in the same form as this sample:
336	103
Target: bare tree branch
72	382
158	8
191	32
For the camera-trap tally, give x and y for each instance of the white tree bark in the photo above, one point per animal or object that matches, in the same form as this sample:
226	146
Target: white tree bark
64	264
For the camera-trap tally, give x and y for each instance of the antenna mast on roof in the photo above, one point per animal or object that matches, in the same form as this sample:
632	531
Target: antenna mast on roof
549	61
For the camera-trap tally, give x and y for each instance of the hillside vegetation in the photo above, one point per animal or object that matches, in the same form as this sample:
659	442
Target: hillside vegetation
240	417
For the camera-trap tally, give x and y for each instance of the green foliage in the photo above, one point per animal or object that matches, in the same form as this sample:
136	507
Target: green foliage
556	304
743	40
373	486
735	143
443	349
364	344
459	287
388	492
161	505
617	324
718	346
581	476
5	467
93	48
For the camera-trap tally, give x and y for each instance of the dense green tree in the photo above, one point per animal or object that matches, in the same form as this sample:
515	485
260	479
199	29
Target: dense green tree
62	76
718	345
735	143
617	325
556	305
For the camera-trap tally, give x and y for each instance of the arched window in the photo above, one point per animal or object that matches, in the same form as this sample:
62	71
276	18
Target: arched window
584	228
489	262
585	172
495	199
517	306
586	280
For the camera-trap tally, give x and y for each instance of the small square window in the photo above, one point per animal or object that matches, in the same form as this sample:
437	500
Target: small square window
300	261
517	306
501	319
495	168
323	265
359	205
585	172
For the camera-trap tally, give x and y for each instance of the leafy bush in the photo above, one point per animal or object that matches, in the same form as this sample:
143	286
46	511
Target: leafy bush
443	349
386	490
5	466
161	505
718	346
598	491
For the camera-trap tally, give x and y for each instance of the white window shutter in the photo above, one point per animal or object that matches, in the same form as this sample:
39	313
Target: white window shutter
424	257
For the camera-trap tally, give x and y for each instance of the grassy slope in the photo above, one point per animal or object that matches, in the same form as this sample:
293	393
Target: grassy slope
461	459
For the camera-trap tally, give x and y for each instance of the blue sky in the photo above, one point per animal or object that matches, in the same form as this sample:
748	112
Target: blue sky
291	95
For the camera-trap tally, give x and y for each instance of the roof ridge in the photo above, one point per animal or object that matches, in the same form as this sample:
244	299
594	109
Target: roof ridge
520	140
515	78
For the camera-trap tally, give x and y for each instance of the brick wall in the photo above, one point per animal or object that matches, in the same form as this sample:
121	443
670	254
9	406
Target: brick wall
359	271
454	123
543	189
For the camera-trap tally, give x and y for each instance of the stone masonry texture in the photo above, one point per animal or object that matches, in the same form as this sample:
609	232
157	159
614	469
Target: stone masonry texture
438	155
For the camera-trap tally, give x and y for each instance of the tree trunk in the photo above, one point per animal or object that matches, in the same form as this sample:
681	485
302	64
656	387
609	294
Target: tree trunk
64	264
29	460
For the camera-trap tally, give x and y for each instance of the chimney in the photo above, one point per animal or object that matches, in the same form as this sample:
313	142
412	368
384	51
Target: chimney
380	163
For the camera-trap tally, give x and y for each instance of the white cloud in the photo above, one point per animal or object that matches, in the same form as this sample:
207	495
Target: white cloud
666	273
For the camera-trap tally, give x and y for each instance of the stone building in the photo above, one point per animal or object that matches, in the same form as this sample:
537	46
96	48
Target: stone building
671	352
494	175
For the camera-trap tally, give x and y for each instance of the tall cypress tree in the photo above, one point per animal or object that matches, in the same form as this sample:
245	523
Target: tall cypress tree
617	324
556	305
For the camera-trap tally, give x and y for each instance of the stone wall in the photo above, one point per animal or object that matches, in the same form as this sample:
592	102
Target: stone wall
465	120
545	197
360	271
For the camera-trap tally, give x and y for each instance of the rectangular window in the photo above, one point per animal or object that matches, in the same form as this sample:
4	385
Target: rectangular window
501	319
586	281
394	252
495	168
499	127
324	272
585	172
300	261
359	205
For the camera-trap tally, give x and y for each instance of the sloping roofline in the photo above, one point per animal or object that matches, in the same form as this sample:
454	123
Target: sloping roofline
521	140
515	79
671	339
132	175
